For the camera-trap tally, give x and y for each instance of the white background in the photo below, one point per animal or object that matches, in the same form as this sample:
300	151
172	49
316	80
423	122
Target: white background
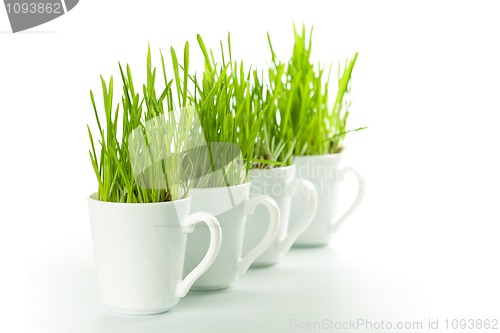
424	244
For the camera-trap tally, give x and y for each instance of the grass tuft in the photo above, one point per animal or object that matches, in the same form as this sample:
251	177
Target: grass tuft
137	154
306	123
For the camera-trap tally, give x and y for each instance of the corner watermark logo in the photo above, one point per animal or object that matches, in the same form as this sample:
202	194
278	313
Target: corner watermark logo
26	14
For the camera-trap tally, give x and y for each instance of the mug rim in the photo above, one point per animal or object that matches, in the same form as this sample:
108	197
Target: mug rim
92	198
247	183
274	170
322	156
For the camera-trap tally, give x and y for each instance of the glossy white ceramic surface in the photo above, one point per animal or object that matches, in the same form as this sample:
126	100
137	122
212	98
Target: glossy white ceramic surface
280	184
139	253
325	172
230	205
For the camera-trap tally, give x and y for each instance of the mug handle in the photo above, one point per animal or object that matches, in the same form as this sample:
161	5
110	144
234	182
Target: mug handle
335	226
188	225
307	217
272	230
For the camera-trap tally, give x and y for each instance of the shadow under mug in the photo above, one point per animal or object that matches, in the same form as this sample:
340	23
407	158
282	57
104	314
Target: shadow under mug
230	205
325	173
139	253
280	184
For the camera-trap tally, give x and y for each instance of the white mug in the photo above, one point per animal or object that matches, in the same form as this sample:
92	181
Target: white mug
325	173
281	185
139	253
230	205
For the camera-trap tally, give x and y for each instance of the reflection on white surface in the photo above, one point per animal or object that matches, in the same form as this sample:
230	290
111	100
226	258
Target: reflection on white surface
361	276
310	285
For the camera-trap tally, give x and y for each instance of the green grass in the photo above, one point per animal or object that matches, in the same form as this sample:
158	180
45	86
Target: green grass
228	97
137	154
307	120
233	118
276	140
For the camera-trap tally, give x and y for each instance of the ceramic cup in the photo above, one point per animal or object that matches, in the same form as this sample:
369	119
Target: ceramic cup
325	173
139	253
230	205
281	185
